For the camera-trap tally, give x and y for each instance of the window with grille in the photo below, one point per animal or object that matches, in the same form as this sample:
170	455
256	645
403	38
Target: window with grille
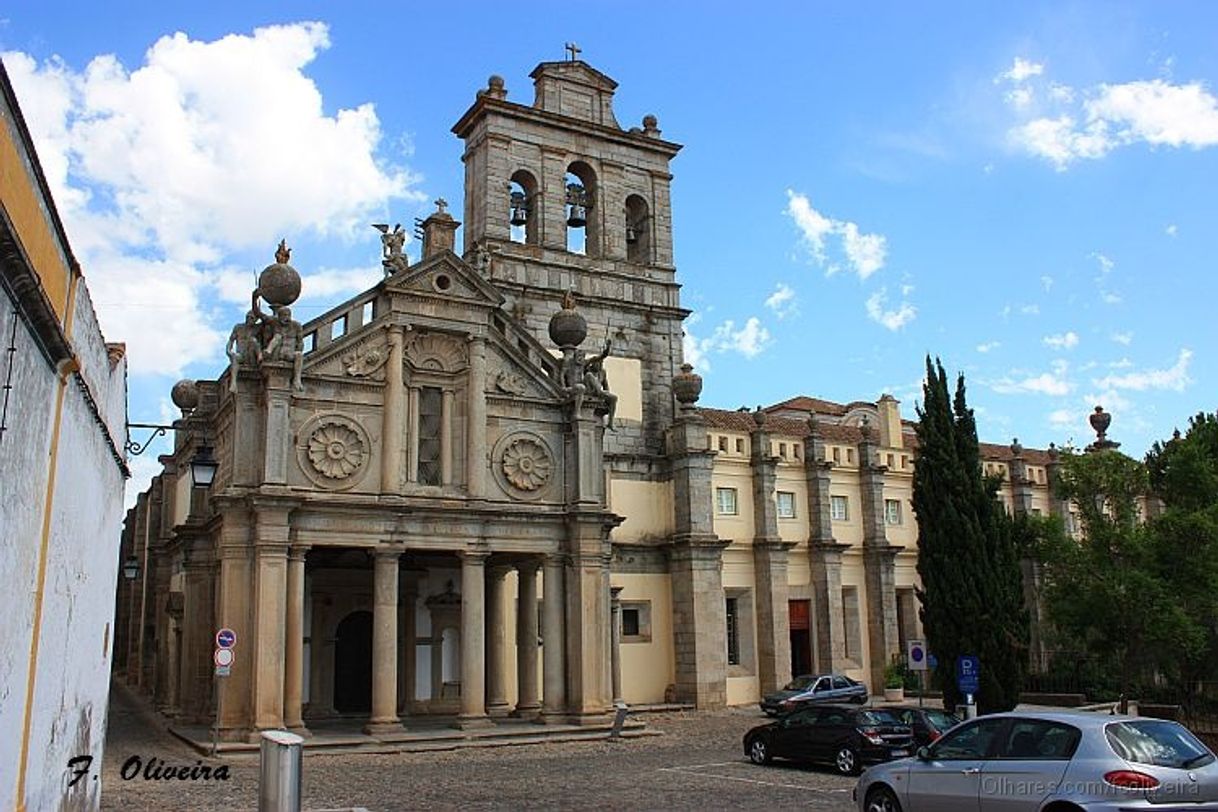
430	425
733	636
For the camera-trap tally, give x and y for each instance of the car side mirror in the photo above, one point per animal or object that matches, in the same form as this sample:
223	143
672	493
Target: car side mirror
924	753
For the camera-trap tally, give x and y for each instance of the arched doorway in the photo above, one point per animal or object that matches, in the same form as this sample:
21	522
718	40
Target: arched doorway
353	664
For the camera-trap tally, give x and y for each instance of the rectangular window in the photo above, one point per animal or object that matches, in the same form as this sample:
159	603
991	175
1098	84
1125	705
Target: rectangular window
733	631
630	622
892	511
636	621
839	508
837	454
739	445
849	455
786	505
726	499
338	328
309	344
722	443
904	461
431	401
795	450
782	450
366	314
890	461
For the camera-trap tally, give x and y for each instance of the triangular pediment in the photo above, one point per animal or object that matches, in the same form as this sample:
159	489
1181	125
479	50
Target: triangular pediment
447	276
574	71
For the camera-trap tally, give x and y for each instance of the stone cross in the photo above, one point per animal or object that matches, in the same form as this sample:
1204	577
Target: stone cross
441	205
573	50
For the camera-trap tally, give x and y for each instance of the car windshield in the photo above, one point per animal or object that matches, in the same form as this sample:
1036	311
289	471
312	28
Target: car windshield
941	721
800	684
877	717
1158	743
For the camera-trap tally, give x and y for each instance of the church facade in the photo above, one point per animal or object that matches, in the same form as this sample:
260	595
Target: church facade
484	487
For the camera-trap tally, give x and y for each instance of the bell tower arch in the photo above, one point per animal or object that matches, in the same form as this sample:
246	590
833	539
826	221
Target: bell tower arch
561	198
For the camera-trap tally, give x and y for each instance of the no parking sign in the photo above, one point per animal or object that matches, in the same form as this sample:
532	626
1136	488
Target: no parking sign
916	656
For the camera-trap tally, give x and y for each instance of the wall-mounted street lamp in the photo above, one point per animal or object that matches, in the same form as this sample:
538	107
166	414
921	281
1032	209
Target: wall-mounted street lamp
134	448
203	467
131	568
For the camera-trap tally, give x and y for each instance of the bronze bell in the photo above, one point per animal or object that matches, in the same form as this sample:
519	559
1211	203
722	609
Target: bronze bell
632	236
577	215
520	209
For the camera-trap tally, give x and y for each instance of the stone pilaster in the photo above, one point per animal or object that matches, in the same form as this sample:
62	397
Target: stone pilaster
527	704
269	616
198	625
496	639
1021	485
233	610
473	640
475	435
587	618
825	556
615	656
554	694
393	417
384	718
769	566
692	464
699	620
293	669
277	403
879	563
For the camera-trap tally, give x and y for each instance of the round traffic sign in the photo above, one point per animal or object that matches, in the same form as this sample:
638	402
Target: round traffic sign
223	656
226	638
917	654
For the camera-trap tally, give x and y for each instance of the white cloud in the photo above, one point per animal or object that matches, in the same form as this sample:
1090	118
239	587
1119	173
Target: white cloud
1154	112
782	301
864	253
208	148
1061	341
1020	97
1122	338
891	319
1021	70
695	350
1174	378
1052	383
1124	363
1063	94
1108	297
1030	310
1171	230
1106	264
1046	282
1065	418
750	340
988	346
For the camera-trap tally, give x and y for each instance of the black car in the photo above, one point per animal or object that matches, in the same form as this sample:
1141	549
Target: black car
844	736
814	688
928	724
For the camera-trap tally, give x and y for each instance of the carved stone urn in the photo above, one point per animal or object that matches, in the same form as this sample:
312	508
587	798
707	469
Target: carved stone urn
1100	421
687	386
568	328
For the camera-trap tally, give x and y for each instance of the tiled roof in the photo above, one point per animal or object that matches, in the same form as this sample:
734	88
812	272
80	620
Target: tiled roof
803	403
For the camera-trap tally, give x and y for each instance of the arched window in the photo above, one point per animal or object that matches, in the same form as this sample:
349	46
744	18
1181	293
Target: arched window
638	230
522	208
583	236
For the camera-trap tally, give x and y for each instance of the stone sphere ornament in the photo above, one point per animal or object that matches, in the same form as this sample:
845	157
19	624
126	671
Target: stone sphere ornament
279	283
185	395
568	328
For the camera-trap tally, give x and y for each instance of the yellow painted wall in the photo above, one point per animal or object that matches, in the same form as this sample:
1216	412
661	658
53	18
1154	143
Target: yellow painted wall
647	507
648	668
743	690
734	474
626	381
38	239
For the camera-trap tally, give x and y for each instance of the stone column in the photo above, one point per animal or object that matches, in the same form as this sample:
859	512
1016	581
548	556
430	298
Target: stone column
770	566
446	437
496	639
475	424
233	611
408	595
699	621
879	562
473	641
554	667
615	652
412	430
267	647
384	717
198	625
527	704
293	668
393	415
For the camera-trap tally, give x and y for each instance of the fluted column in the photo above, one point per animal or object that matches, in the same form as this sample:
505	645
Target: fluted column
475	434
385	644
526	641
473	641
554	693
496	639
393	415
446	437
293	667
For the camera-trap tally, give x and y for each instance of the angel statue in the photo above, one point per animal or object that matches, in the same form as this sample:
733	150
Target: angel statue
392	243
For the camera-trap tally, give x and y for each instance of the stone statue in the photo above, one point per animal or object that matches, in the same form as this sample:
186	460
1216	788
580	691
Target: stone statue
285	342
392	243
581	375
244	346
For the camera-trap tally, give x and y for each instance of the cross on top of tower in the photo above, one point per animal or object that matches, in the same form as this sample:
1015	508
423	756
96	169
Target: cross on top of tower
441	205
572	51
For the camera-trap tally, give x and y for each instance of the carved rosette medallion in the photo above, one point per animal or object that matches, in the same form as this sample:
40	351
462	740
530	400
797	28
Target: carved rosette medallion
334	451
523	465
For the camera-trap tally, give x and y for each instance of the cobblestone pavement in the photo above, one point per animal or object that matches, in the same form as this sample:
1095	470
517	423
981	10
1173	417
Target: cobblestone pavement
696	765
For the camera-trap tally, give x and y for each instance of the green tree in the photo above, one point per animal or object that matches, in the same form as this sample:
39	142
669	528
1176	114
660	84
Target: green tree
968	557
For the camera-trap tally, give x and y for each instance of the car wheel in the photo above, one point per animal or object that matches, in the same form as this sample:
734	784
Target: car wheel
759	751
846	761
881	799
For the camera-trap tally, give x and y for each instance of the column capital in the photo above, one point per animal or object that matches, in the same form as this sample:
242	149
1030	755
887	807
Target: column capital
297	552
528	566
384	553
555	559
398	329
499	571
478	557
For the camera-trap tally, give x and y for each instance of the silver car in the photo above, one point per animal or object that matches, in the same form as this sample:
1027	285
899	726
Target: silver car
1049	762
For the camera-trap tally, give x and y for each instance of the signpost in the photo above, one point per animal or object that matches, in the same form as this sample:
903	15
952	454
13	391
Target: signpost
915	659
226	640
968	680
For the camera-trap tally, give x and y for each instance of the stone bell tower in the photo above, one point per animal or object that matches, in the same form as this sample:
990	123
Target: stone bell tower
560	198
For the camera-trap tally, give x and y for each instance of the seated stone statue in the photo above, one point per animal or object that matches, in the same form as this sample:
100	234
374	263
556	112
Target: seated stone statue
286	341
596	380
244	346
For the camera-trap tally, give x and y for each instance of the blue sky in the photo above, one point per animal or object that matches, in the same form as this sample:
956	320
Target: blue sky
1026	190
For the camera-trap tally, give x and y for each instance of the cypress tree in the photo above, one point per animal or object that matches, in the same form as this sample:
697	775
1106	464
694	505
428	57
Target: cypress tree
971	593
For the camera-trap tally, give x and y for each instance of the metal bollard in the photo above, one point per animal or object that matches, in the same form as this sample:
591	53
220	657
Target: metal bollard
279	777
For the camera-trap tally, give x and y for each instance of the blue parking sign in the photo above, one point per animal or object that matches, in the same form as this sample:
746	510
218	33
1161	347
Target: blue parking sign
968	674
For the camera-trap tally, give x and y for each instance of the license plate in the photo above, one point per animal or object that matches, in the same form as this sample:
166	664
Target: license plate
900	753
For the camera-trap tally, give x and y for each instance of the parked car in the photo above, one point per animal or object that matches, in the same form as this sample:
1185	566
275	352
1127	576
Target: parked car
928	724
814	688
842	735
1049	761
